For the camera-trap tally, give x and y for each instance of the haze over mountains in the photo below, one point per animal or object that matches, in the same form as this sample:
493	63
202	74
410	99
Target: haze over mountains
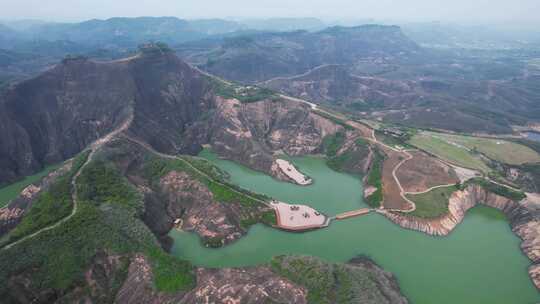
126	105
427	75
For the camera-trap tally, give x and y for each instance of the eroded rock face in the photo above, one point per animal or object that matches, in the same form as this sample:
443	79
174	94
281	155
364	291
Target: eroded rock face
524	217
388	286
357	154
180	197
138	286
251	133
101	281
54	116
230	285
244	285
99	284
192	202
366	282
12	214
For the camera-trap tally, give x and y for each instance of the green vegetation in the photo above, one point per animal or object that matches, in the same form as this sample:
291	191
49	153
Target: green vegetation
394	140
208	168
535	145
333	119
374	179
244	94
170	274
104	222
11	191
268	218
156	168
214	242
347	160
152	48
222	191
332	143
497	189
329	282
531	183
101	183
51	205
436	145
464	150
432	204
496	149
365	105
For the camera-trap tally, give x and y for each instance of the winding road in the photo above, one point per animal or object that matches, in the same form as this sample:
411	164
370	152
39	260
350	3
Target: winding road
94	147
149	148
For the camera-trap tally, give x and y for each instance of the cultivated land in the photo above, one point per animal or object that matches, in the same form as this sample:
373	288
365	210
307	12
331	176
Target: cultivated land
453	153
496	149
432	204
393	198
423	172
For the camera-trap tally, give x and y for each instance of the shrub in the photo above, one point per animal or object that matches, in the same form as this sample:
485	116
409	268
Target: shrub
374	179
497	189
51	206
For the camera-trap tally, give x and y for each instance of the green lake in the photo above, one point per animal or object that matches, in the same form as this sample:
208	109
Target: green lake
480	262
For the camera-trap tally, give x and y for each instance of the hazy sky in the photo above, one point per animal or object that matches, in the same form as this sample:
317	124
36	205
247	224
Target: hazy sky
476	11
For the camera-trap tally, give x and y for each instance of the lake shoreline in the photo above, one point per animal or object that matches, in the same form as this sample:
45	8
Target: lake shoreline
387	243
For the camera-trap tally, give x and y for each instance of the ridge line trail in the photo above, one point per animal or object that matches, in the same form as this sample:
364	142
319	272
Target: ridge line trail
149	148
94	147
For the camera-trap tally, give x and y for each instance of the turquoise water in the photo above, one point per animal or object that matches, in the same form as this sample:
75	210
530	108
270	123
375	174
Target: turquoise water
480	262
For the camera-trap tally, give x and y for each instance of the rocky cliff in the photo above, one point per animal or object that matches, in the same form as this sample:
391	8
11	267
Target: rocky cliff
130	196
11	215
175	109
253	133
54	116
524	218
268	284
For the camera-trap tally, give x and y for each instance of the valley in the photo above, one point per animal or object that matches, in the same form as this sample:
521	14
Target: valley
336	165
484	238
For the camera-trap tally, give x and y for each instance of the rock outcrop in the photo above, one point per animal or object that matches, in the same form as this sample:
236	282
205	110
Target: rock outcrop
366	282
251	133
264	284
230	285
244	285
180	196
175	109
54	116
12	214
193	203
98	284
524	218
138	286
